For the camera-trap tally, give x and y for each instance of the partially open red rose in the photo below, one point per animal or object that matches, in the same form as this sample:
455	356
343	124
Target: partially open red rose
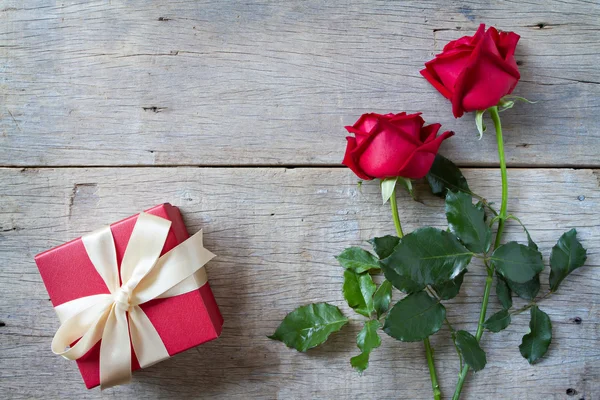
391	145
475	72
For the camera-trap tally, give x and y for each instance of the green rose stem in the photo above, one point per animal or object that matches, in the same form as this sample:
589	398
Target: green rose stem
501	219
437	394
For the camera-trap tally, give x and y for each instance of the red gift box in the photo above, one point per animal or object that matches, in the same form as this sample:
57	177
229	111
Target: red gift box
182	322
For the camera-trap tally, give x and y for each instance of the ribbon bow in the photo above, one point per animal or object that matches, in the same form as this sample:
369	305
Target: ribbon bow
113	317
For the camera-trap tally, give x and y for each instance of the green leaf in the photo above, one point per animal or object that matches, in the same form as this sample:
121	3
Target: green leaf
479	122
444	175
427	256
414	318
449	290
527	290
498	321
367	340
358	291
567	255
400	282
516	262
469	348
536	342
358	260
309	326
467	221
384	246
387	188
503	292
382	298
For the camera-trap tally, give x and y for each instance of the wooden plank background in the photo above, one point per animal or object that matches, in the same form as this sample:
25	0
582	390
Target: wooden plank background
273	82
234	111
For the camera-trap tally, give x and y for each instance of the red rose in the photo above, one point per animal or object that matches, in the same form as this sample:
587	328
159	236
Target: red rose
391	145
475	72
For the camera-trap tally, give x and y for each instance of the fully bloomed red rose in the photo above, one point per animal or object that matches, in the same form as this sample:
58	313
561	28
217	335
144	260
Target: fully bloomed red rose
391	145
475	72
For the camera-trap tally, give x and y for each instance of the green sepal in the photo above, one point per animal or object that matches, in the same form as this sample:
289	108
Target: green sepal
479	122
509	101
407	184
309	326
388	186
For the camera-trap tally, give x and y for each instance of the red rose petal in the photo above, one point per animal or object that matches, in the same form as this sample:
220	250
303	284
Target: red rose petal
420	162
386	151
349	159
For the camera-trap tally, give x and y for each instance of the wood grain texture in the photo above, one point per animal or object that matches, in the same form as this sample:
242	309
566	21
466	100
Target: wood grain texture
274	82
276	232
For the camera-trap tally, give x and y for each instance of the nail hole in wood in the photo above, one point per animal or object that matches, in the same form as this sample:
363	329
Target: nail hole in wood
576	320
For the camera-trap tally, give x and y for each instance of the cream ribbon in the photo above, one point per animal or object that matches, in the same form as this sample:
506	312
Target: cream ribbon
113	317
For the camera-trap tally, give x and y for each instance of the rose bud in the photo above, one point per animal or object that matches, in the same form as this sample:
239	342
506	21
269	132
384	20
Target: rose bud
391	145
475	72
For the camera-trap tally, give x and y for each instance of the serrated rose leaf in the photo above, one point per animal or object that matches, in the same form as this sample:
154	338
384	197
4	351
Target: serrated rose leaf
503	292
414	318
367	340
467	222
469	348
384	246
309	326
382	298
358	291
516	262
527	290
567	255
358	260
498	321
444	175
449	290
427	256
536	342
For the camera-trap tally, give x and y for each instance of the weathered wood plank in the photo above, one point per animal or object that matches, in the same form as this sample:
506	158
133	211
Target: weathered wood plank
273	82
275	232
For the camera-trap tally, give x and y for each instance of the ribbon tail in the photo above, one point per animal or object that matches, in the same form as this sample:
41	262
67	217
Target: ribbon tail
172	268
147	344
115	350
85	327
71	308
191	283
